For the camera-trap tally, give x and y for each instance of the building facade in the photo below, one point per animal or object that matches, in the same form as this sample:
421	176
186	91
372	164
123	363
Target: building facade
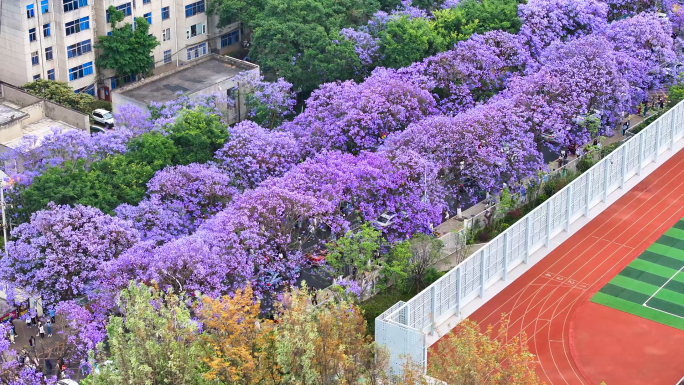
53	39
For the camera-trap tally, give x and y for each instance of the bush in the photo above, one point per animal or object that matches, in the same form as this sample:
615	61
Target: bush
95	104
585	163
542	198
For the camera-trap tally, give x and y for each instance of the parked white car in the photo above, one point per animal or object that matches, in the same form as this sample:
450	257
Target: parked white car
385	219
103	117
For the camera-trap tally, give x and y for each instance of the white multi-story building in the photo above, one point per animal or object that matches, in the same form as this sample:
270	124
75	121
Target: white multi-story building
53	39
48	39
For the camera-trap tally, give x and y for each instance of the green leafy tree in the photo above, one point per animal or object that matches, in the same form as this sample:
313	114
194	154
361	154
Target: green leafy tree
230	11
355	249
197	136
61	93
154	341
492	14
127	50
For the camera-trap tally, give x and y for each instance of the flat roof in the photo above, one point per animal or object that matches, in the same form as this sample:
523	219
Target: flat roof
9	114
40	129
186	80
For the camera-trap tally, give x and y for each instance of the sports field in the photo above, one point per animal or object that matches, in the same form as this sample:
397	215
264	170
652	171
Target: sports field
652	286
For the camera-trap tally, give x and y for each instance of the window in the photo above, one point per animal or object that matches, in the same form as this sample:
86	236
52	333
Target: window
196	29
122	80
81	71
70	5
48	53
34	58
32	34
194	8
29	11
77	25
197	51
230	38
166	34
148	17
166	13
79	49
167	56
51	74
86	90
46	30
43	6
125	8
36	77
146	1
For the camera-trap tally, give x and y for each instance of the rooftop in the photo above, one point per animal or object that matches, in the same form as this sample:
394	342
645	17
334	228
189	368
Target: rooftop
40	129
187	79
10	113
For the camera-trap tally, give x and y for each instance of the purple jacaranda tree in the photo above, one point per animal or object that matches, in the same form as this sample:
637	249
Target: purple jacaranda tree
179	199
134	118
363	187
57	254
501	148
546	21
252	154
365	45
474	70
648	58
354	117
33	156
268	103
576	79
82	329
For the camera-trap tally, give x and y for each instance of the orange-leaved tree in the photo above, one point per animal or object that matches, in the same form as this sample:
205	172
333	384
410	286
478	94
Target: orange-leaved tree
467	356
239	346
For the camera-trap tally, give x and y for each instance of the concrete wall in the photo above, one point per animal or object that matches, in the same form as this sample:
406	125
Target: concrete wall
57	112
17	96
35	111
119	100
11	131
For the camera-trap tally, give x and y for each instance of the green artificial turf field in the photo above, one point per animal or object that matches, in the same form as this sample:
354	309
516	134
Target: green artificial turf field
652	286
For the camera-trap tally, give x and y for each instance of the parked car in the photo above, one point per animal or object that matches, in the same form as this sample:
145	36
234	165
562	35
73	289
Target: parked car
385	219
550	137
103	117
67	381
97	130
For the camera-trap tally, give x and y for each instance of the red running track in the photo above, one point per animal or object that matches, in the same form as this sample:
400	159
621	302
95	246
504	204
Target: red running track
544	301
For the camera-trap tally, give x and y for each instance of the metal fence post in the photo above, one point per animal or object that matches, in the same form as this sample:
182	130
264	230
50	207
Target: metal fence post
459	277
641	152
505	253
547	242
587	194
433	306
657	141
407	314
569	207
623	171
482	272
606	171
672	128
527	239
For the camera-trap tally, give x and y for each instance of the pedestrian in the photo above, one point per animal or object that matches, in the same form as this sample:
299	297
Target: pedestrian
84	368
28	322
48	326
41	331
314	298
48	366
11	337
34	320
625	127
661	103
646	109
52	315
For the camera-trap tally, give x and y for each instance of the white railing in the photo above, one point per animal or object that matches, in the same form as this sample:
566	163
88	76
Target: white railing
403	327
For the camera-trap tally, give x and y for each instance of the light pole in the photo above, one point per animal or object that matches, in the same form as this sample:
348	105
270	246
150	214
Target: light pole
4	220
461	166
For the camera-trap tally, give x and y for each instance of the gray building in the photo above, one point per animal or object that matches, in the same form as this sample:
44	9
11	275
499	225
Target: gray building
210	74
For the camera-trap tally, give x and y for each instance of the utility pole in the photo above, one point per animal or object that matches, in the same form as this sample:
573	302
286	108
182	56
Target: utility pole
4	220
